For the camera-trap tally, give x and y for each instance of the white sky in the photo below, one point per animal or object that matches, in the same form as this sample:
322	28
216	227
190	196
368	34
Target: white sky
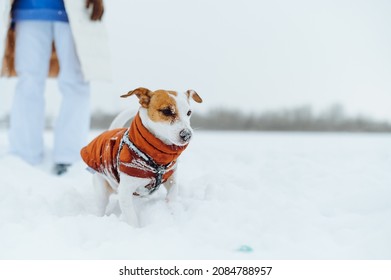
251	54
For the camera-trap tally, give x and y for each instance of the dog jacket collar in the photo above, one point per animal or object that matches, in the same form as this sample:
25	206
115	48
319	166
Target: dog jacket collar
134	151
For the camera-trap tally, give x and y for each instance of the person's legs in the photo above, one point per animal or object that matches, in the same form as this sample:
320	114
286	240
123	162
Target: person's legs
72	125
32	54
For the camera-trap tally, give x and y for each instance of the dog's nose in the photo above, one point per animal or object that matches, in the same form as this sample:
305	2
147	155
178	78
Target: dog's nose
185	135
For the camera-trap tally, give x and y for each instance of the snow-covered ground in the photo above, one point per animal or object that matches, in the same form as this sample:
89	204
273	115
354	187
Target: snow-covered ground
243	196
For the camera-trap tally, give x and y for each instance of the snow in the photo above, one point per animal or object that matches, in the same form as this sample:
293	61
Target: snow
242	196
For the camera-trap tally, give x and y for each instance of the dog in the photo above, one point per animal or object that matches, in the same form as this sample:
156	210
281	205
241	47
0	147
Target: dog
133	162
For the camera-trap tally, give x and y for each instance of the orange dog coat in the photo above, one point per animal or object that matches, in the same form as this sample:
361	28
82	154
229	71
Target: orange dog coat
134	151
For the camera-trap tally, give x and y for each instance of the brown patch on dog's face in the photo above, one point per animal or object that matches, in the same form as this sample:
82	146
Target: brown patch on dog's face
163	107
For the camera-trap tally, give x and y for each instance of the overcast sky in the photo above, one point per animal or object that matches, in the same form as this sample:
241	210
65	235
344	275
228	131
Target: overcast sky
252	54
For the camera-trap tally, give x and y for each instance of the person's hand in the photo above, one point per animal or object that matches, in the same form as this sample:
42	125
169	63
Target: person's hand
97	9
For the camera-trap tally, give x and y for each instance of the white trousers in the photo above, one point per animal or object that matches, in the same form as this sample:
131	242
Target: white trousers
32	55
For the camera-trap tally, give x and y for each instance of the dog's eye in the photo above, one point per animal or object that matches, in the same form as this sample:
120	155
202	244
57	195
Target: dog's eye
189	113
167	112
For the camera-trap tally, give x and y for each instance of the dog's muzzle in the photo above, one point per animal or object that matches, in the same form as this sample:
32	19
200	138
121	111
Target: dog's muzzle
185	135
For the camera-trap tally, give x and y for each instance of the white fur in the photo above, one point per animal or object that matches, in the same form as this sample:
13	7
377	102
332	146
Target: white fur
169	134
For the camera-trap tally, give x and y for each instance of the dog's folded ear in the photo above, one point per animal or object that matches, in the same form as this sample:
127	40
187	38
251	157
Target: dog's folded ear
194	95
144	95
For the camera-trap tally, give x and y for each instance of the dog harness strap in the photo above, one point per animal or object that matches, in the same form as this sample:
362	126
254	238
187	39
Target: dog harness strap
158	169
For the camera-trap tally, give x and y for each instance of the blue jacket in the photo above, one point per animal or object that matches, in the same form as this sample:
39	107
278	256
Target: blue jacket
51	10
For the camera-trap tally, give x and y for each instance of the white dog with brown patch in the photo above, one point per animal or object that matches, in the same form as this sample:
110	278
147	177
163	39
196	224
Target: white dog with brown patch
135	161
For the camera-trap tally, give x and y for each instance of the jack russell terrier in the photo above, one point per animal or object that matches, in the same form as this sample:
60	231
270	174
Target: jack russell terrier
135	161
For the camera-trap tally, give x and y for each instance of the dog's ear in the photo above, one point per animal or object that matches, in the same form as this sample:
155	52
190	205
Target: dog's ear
194	95
143	94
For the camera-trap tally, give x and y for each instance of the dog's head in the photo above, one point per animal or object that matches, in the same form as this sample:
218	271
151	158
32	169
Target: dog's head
166	113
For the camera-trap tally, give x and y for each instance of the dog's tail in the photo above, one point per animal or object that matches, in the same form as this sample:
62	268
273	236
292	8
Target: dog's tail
122	118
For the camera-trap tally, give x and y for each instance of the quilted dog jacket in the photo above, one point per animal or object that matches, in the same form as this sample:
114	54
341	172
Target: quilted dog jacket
134	151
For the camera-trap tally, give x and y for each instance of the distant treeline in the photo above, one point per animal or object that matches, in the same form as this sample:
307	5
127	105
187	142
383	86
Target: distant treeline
297	119
301	118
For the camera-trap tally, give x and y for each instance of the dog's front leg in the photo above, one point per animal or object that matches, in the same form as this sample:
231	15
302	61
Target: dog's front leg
126	188
103	191
172	188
